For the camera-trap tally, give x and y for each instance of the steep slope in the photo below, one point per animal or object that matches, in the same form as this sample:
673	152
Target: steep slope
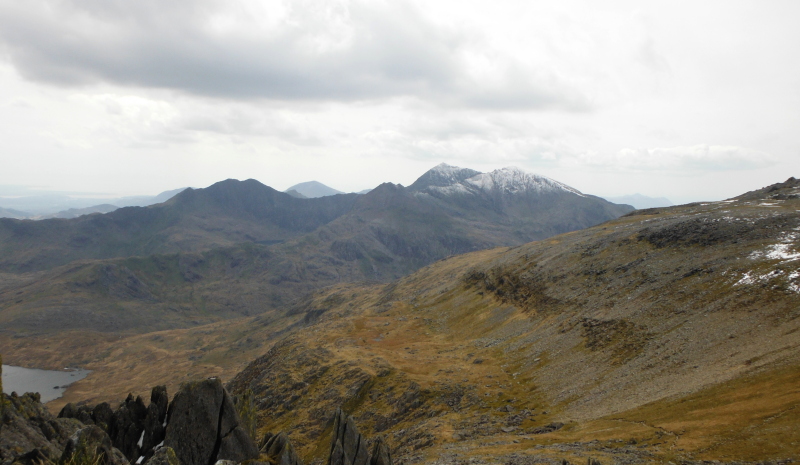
668	335
223	214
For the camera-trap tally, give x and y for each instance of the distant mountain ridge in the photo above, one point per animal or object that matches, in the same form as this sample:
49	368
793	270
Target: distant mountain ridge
267	248
224	214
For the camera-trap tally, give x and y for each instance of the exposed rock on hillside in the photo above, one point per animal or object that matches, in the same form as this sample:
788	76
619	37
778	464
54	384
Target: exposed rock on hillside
221	437
279	449
348	446
200	425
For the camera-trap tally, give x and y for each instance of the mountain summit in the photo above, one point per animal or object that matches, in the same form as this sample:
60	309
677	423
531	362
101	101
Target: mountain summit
442	175
313	189
447	179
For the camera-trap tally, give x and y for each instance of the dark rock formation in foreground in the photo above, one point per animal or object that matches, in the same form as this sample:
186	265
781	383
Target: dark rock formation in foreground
29	433
199	427
89	443
221	438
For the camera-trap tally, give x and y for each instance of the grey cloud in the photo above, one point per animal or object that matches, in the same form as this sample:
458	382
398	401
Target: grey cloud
359	51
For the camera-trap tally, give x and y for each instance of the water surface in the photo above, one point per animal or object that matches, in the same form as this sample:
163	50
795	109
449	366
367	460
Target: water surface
48	383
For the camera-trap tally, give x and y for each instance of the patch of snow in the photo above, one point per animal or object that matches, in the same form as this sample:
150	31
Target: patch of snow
746	279
749	278
140	460
782	251
159	445
446	170
457	188
513	180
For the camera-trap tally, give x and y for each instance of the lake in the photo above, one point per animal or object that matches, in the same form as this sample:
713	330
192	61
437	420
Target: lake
49	384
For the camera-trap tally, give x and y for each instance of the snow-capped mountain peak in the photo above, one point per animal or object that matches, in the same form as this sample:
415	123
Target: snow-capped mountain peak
513	180
442	175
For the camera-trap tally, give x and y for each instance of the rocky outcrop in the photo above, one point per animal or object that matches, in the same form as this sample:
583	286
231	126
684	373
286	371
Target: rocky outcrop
380	453
92	445
29	433
203	426
199	427
348	446
155	421
279	449
127	427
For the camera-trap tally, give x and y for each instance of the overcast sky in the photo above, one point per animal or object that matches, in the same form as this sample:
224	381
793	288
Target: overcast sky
687	100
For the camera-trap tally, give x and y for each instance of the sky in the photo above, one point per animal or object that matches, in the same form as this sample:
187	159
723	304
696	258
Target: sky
685	100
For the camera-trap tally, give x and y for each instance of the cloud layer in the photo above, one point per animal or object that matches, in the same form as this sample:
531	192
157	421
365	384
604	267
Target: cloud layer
305	50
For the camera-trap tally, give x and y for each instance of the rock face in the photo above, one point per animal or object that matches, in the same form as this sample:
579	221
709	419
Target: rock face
279	449
127	426
348	446
155	421
203	426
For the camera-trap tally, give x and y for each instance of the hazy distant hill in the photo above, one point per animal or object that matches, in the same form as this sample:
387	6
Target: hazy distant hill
223	214
11	213
76	212
640	201
313	189
52	205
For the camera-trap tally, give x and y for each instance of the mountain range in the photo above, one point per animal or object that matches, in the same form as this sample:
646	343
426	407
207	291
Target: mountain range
470	317
240	248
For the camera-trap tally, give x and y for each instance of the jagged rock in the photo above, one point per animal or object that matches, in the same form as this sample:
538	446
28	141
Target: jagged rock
102	415
280	450
154	422
92	445
163	456
30	432
380	453
348	447
127	427
82	413
69	411
262	444
203	426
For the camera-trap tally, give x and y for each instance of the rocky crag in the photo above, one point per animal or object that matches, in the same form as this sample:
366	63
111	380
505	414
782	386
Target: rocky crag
201	426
